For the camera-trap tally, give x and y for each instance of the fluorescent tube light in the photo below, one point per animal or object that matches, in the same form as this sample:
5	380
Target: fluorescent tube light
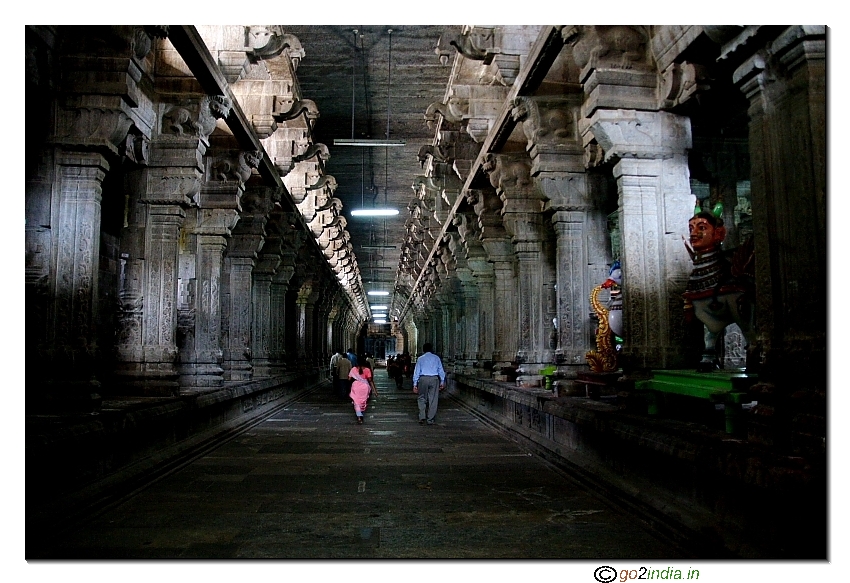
369	143
375	212
378	293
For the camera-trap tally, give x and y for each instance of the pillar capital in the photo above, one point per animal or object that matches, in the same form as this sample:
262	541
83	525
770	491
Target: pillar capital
630	134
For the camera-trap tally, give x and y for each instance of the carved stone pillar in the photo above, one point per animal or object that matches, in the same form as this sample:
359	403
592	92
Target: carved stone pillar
263	273
80	176
554	145
324	324
199	318
497	244
485	283
170	184
303	321
469	316
506	313
277	315
521	213
655	204
245	244
785	84
573	321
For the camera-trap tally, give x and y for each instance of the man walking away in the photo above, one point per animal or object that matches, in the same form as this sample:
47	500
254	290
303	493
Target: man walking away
429	379
343	383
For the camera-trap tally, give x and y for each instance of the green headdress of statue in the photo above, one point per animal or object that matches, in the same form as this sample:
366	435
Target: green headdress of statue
717	211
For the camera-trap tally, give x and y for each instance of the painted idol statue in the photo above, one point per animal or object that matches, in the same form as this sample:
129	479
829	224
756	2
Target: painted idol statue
720	288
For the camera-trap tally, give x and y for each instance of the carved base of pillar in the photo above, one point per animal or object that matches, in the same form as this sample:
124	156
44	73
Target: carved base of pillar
200	368
201	375
146	385
277	365
149	378
263	368
571	357
237	370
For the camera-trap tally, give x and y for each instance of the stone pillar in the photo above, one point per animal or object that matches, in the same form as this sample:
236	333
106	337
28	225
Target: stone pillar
207	231
521	214
277	317
158	367
324	325
485	283
573	310
170	184
303	318
200	320
557	155
655	203
247	240
80	176
263	274
469	317
785	84
497	245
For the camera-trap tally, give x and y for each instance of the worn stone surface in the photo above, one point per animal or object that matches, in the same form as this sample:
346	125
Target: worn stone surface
310	483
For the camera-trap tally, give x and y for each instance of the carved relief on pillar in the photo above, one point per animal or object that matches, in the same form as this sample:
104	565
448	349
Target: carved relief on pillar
522	201
608	47
655	201
616	69
72	291
194	119
88	121
264	270
640	134
203	242
551	127
785	84
117	58
681	82
233	167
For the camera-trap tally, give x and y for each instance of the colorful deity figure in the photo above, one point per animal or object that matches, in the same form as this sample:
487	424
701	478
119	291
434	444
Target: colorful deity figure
609	333
720	287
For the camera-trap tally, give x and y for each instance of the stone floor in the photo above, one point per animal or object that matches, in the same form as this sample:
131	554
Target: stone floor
310	483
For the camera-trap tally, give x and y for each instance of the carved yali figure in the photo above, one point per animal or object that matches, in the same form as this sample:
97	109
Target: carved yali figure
720	288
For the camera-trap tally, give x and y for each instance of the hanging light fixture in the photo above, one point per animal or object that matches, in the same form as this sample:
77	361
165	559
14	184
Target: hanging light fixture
384	211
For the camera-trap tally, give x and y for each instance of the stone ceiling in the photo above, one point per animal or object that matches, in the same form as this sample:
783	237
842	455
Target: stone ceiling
348	77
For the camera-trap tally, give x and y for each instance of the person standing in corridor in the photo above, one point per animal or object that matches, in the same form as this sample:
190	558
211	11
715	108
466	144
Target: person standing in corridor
429	378
334	371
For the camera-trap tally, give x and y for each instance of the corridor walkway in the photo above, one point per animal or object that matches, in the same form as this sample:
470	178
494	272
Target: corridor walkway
310	483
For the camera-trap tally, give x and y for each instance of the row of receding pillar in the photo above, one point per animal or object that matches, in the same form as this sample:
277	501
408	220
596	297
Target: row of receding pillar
204	280
536	243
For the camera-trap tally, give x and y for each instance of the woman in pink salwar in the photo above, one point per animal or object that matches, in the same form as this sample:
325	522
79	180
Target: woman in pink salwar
362	384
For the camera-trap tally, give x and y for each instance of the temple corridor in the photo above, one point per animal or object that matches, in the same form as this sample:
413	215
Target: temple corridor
614	237
307	482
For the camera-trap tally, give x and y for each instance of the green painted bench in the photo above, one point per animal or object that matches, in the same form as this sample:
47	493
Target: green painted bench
728	387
